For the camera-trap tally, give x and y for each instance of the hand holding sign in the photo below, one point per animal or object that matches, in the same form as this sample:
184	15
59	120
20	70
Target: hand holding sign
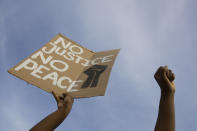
64	101
52	121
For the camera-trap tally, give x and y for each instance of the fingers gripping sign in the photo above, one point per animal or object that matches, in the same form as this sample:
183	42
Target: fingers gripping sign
165	78
63	101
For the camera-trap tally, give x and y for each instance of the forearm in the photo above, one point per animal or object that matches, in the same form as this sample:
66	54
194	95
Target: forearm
166	116
52	121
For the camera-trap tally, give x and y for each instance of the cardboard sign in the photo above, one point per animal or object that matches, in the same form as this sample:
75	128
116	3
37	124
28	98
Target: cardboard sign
64	66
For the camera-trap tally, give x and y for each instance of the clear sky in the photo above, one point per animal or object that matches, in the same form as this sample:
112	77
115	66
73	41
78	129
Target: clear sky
150	33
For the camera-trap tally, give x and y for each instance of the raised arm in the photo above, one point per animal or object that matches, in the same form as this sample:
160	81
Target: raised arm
53	120
166	116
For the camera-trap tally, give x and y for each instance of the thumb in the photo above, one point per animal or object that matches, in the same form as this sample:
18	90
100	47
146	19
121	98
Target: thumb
55	96
60	104
165	77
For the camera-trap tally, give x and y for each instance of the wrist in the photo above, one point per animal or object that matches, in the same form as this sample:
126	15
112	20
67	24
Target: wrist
167	93
63	111
65	108
168	90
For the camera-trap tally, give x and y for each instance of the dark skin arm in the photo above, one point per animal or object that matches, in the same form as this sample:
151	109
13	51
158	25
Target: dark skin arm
53	120
166	116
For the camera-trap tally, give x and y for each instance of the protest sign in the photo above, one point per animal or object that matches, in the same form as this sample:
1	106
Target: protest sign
62	65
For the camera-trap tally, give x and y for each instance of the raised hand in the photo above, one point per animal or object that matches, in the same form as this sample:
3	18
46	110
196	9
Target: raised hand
64	101
53	120
166	116
165	78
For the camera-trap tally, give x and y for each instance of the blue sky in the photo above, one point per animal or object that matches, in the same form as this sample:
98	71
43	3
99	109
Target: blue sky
149	33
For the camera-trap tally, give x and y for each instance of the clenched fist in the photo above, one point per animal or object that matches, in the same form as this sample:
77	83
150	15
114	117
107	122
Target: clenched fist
165	78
